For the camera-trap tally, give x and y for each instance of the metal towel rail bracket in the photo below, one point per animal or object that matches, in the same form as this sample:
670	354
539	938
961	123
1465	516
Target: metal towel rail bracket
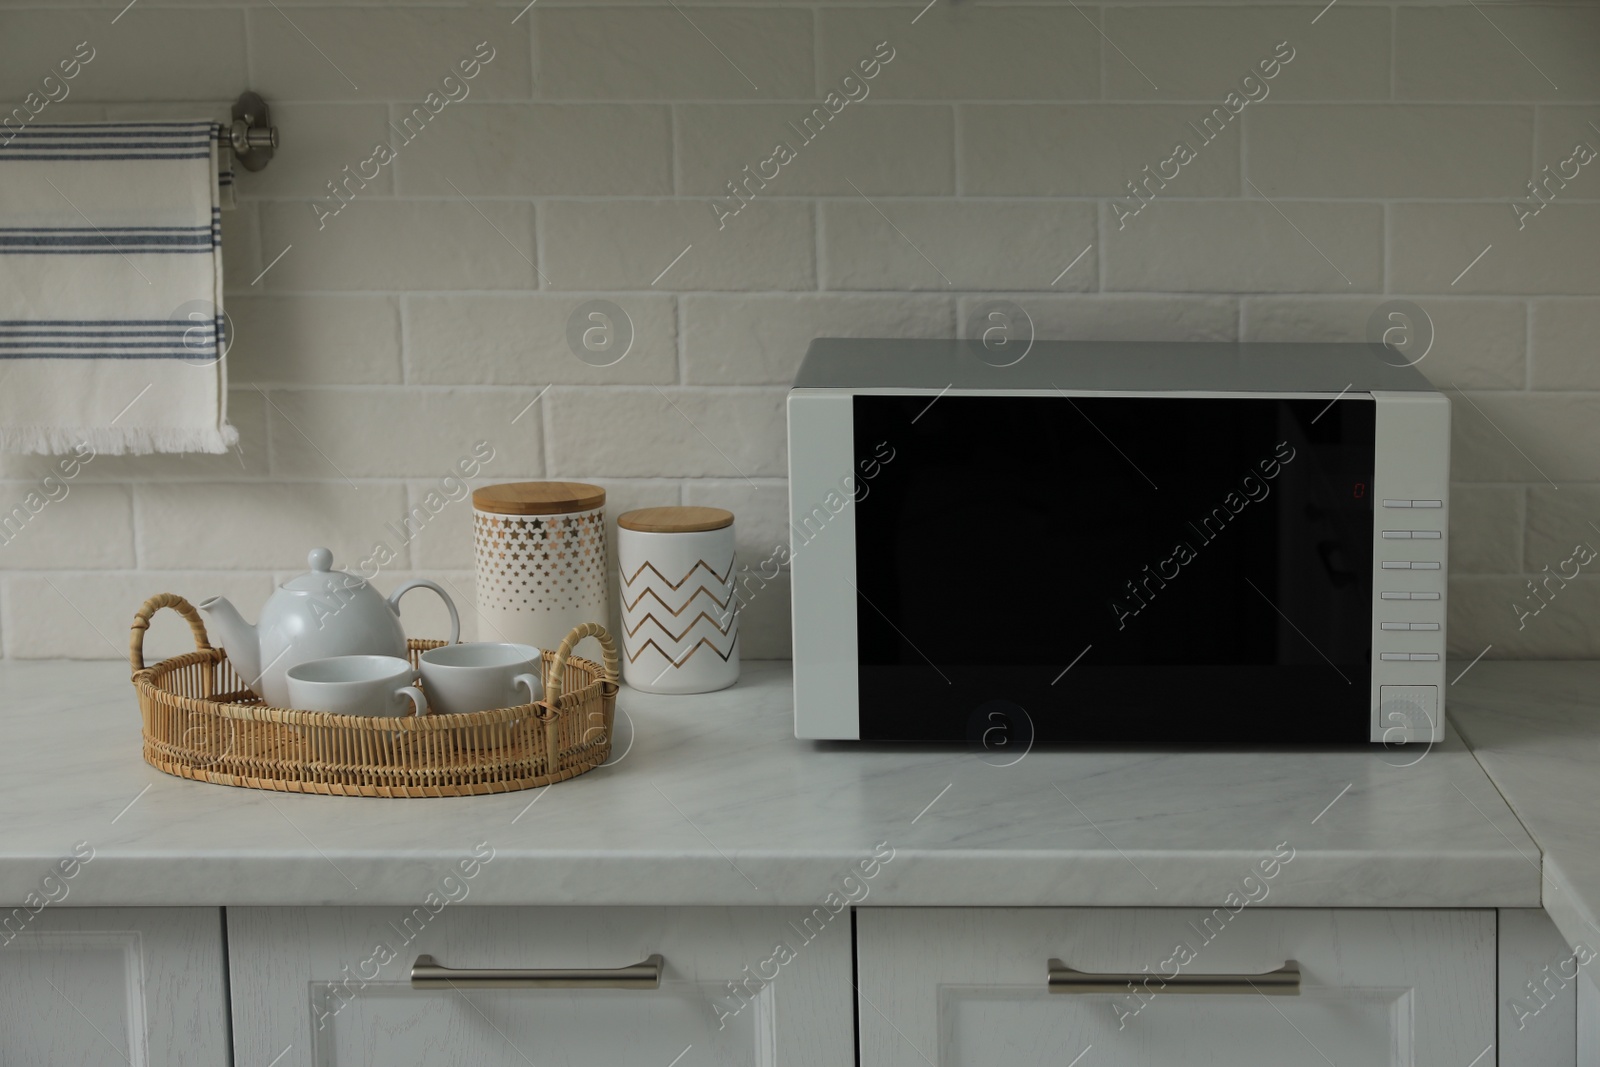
253	136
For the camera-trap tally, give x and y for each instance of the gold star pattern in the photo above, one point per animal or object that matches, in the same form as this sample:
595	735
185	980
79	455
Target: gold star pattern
511	549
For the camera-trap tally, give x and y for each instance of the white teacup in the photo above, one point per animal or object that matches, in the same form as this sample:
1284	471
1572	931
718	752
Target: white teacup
481	675
357	685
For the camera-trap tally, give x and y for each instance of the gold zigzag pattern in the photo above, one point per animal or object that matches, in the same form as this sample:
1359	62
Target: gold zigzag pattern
633	657
677	611
722	578
679	637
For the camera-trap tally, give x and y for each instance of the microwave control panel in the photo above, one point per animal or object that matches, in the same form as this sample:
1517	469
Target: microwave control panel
1410	553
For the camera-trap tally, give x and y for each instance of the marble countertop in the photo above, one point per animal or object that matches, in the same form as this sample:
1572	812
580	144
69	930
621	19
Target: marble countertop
1535	727
711	800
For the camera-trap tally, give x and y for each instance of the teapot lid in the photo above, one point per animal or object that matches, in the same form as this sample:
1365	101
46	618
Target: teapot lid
322	575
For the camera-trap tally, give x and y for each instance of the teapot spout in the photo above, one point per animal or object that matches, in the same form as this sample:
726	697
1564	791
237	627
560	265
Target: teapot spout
237	637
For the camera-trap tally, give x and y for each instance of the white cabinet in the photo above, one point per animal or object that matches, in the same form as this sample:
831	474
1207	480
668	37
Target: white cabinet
740	987
1539	981
112	987
966	987
1588	1023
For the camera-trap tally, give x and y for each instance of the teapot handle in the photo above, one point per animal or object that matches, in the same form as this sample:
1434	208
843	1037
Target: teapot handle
455	619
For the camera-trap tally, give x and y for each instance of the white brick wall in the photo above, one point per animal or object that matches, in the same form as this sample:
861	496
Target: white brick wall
433	311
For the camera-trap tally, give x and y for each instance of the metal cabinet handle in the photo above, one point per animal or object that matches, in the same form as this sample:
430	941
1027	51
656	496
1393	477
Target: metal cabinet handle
427	973
1283	982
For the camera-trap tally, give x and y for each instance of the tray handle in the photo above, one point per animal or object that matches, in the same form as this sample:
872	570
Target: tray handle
608	647
141	623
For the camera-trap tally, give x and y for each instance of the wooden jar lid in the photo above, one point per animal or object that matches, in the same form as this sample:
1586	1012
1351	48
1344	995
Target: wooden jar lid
675	520
538	498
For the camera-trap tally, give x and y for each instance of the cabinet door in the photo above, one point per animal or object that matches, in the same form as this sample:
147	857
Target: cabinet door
740	987
1588	1022
112	987
1539	979
967	988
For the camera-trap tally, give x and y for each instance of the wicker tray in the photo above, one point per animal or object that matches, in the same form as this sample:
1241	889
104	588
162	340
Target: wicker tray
201	722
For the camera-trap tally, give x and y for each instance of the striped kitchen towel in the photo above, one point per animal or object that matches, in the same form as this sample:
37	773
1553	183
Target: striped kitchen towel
111	320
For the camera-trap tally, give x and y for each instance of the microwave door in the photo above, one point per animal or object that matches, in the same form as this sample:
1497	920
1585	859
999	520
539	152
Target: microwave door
1100	568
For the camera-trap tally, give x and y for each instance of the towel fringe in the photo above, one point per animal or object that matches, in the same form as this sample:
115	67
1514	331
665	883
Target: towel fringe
116	440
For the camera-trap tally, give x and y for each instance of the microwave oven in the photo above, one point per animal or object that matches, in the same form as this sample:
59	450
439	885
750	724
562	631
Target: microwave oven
1117	543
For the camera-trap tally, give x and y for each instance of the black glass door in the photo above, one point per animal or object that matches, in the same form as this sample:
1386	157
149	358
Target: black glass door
1115	569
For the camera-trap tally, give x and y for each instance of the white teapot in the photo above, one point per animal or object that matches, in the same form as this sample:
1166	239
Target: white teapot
320	614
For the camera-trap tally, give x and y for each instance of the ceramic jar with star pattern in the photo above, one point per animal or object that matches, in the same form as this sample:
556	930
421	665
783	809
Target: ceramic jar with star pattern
541	560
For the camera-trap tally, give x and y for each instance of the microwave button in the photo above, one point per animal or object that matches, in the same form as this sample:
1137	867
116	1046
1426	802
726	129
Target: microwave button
1402	656
1424	596
1424	657
1396	596
1397	503
1424	566
1425	503
1396	565
1426	535
1397	626
1413	708
1397	535
1424	626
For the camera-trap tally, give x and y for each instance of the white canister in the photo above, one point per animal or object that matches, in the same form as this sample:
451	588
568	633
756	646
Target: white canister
541	560
680	629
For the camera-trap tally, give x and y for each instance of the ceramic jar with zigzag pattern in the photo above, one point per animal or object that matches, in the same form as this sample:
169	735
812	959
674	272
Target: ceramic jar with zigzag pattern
680	626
